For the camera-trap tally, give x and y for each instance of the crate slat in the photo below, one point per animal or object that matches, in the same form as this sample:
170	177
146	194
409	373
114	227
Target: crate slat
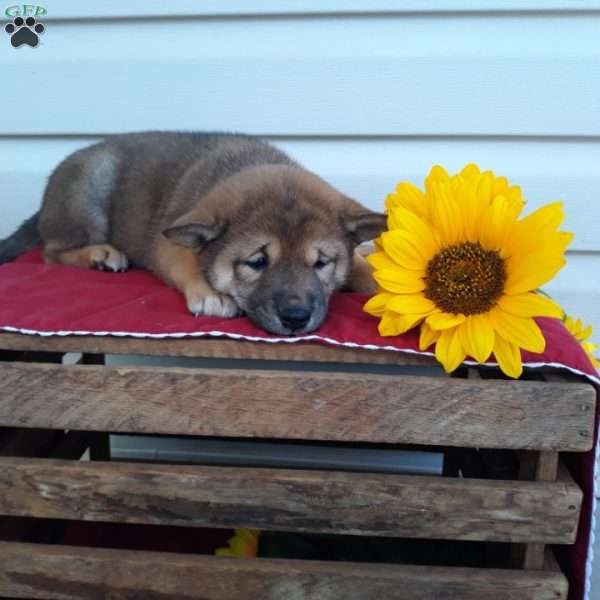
69	573
299	405
292	500
546	469
210	348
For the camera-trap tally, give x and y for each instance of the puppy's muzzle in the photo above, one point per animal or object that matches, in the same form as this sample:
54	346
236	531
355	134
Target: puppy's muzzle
294	316
287	313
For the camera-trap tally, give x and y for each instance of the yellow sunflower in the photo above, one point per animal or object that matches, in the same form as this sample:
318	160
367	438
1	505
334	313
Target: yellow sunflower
582	334
458	259
244	544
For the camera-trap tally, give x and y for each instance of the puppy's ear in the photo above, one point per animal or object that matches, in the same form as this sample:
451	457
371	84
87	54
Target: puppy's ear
364	226
193	235
359	223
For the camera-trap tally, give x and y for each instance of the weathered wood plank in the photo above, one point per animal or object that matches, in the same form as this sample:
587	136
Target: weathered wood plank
211	348
546	469
99	441
299	405
25	443
35	443
291	500
536	466
68	573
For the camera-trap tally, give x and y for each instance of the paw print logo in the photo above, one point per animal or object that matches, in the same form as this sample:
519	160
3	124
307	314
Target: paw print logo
24	32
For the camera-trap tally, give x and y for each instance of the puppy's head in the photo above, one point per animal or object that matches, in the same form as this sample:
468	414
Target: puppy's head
280	241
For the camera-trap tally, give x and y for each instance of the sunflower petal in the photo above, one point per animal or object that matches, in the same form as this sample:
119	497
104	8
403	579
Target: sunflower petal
250	535
499	186
576	328
563	240
448	350
532	272
394	324
446	215
470	171
410	197
530	305
242	547
376	305
508	357
411	304
522	331
498	221
419	229
380	260
472	208
484	189
407	322
398	282
581	333
427	336
441	320
404	249
437	175
532	231
477	337
547	217
388	324
391	204
515	197
571	324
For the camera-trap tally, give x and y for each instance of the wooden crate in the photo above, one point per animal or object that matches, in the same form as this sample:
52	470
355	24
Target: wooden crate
50	412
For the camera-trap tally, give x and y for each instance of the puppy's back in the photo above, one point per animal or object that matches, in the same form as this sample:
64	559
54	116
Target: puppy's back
154	164
124	185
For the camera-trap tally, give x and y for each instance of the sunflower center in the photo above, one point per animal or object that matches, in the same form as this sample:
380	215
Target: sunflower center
465	279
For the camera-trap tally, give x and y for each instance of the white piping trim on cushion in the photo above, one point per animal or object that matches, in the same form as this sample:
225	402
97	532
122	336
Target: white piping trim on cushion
331	341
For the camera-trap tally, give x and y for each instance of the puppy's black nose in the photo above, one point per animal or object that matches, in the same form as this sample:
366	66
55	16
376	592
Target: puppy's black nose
294	317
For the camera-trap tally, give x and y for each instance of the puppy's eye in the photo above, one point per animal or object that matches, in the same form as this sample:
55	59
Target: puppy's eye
321	263
260	263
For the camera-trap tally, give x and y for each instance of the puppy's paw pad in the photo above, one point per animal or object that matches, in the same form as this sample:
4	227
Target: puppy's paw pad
213	305
107	258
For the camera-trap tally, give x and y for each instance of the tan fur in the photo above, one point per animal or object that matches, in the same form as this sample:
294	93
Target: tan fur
98	256
361	277
181	268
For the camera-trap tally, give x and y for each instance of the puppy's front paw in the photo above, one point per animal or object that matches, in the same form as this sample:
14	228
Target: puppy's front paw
205	301
106	258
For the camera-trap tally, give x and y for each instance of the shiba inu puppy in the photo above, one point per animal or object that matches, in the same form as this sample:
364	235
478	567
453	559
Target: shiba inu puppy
230	221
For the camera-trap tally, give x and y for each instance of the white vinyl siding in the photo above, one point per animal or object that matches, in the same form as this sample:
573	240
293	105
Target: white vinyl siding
365	94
